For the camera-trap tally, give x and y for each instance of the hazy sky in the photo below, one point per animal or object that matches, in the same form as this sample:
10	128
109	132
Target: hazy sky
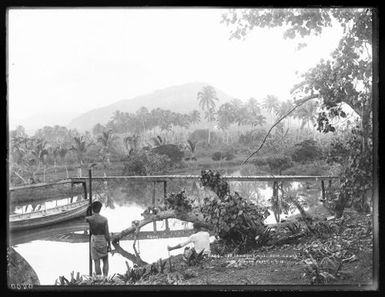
74	60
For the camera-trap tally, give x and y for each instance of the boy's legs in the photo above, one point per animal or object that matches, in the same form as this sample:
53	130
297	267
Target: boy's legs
105	265
97	266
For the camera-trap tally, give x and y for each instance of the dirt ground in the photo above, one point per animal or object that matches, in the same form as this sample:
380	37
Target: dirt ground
280	265
276	267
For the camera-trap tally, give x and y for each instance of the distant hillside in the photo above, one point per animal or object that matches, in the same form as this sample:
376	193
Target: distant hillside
37	121
182	98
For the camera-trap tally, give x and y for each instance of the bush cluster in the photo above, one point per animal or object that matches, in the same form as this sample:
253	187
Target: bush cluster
146	163
172	151
217	156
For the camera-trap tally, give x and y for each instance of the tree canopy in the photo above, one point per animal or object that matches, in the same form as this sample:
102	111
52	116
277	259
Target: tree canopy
345	77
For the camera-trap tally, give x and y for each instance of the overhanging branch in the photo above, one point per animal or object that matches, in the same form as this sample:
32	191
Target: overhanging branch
304	100
166	214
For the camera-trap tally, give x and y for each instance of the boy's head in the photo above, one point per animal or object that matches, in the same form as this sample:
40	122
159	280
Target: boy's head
96	206
198	227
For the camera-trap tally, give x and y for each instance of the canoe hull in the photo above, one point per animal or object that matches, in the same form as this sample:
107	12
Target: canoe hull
49	217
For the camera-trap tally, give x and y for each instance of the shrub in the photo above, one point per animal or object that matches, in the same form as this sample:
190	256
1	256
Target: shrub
311	169
276	163
217	156
170	150
146	163
307	150
229	156
201	136
251	137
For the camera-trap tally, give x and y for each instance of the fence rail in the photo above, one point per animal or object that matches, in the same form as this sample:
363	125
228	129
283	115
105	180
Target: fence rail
162	178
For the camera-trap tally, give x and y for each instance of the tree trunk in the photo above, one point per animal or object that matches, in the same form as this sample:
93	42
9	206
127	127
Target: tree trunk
166	214
129	256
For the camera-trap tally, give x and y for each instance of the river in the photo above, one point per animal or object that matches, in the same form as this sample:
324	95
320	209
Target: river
51	259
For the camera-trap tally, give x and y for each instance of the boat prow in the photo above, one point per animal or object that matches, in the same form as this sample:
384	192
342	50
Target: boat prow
48	217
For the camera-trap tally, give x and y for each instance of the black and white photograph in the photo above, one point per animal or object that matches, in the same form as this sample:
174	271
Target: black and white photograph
158	148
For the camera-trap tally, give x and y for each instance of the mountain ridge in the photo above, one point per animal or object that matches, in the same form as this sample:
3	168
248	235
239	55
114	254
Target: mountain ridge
179	98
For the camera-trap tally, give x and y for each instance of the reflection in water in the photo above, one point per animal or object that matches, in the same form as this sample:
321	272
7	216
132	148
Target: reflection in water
51	259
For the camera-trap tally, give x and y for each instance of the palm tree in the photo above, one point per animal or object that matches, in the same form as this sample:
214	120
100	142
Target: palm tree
40	151
191	146
61	152
307	113
106	139
253	106
226	117
131	143
20	149
283	108
240	113
98	129
258	120
80	147
271	103
143	115
207	98
210	117
195	117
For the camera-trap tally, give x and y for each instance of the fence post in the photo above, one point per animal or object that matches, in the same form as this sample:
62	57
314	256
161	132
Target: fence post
154	203
85	189
279	199
72	192
275	198
90	199
165	196
323	189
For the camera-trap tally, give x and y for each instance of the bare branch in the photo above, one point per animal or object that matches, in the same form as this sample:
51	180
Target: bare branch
129	256
166	214
304	100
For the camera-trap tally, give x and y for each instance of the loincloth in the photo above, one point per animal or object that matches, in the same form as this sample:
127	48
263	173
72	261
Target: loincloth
98	247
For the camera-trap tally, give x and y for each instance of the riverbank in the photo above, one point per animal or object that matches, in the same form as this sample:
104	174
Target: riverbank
341	258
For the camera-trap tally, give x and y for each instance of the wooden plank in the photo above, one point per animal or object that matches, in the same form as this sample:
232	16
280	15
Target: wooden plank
162	178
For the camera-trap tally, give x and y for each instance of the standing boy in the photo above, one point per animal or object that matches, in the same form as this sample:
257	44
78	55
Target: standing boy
100	238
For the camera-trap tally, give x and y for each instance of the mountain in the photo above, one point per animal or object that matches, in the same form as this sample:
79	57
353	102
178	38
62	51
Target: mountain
37	121
181	98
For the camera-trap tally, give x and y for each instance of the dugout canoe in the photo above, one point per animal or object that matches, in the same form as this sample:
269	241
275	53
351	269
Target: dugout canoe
48	217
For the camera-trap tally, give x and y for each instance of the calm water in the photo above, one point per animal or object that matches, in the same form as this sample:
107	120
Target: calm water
51	259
